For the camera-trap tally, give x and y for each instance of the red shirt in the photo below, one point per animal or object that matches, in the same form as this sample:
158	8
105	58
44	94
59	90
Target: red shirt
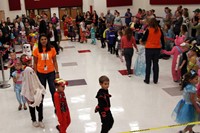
128	44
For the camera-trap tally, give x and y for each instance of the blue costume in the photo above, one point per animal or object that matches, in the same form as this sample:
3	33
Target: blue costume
92	32
184	111
140	64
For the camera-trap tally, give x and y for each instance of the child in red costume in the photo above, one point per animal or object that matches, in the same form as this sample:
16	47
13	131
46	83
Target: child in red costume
62	110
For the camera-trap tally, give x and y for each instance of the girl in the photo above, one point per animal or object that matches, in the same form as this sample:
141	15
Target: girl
33	91
17	79
83	32
127	43
118	48
12	62
140	66
185	111
193	55
92	32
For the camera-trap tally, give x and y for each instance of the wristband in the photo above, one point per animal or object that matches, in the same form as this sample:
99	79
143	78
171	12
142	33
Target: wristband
57	72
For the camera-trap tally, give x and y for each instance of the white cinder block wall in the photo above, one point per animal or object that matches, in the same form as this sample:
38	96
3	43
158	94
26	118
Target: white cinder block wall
100	6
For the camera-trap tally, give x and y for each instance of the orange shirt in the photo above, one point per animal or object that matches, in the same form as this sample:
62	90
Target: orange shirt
45	59
154	39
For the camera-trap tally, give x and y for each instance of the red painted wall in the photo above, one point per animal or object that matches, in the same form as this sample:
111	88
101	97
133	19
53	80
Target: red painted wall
173	2
37	4
14	5
112	3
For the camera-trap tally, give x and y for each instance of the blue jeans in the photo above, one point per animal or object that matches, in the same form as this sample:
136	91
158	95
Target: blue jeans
19	97
49	77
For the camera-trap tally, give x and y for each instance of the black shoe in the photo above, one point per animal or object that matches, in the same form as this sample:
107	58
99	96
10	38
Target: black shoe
57	127
155	82
146	82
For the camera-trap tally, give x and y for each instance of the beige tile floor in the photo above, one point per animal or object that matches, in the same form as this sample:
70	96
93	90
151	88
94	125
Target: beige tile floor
135	105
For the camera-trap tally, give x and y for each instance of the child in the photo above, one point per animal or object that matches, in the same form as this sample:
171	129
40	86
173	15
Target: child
176	52
82	32
118	46
184	59
92	32
140	64
33	91
103	106
193	55
111	38
62	110
105	33
185	111
17	79
12	62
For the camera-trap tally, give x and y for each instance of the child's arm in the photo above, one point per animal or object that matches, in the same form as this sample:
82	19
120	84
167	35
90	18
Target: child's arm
15	77
134	44
57	107
169	52
182	64
193	100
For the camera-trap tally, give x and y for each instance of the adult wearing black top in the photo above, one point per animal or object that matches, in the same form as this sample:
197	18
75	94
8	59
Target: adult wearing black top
177	23
79	19
53	37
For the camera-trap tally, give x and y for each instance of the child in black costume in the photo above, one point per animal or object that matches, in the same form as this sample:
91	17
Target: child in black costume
103	106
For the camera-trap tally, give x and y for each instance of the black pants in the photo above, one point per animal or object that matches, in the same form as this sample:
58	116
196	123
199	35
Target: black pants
107	122
54	43
103	44
152	55
50	77
128	54
39	110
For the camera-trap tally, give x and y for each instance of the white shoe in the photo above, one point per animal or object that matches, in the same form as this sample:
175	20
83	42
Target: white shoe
35	124
41	124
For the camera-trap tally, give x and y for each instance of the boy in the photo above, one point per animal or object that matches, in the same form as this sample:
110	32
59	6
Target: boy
111	38
103	106
62	110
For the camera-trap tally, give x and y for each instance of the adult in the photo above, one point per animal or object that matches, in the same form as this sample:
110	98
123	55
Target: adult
195	21
42	27
128	16
45	63
127	43
54	19
117	21
79	19
95	18
168	17
109	17
53	36
152	38
177	23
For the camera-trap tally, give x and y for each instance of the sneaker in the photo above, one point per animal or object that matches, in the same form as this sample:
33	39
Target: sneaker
57	127
20	107
35	124
41	124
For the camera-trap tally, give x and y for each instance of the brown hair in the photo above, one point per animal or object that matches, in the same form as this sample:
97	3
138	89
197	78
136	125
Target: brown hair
103	79
128	33
154	24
